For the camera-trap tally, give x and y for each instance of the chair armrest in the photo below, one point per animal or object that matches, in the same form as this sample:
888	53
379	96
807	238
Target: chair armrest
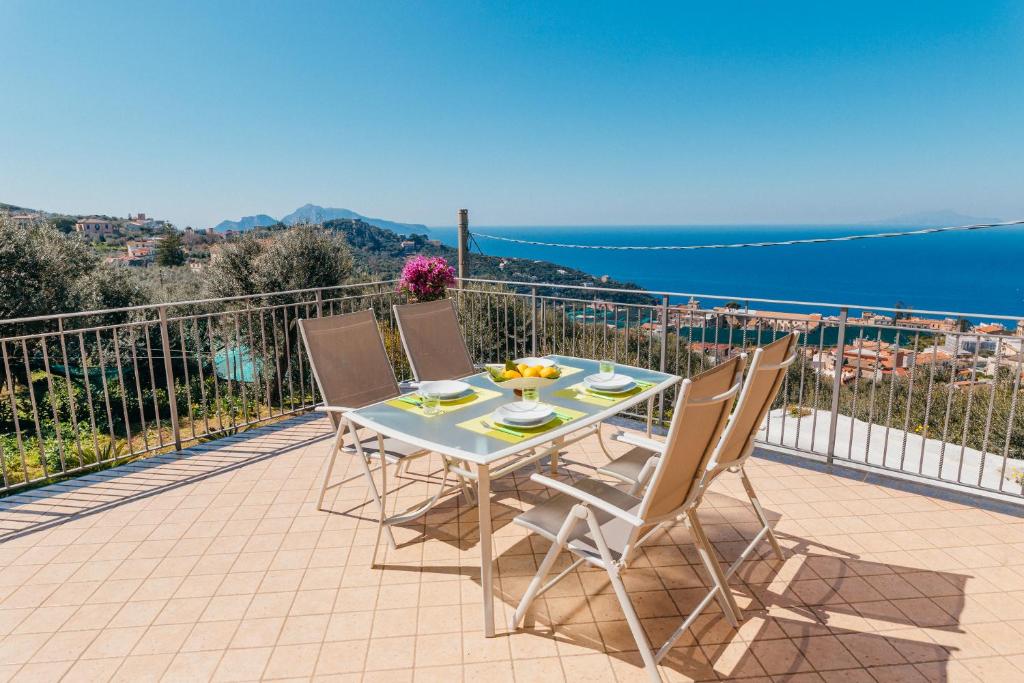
641	441
332	409
587	498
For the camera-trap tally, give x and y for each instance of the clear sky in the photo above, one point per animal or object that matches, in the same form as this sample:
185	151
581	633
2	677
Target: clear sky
526	113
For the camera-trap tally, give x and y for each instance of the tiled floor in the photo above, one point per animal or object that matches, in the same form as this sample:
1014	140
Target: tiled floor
215	564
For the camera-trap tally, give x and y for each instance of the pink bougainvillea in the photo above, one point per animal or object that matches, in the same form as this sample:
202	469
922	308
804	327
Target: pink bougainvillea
426	279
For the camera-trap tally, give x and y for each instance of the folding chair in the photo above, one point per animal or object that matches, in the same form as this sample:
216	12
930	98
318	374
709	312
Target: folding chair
763	383
604	526
352	370
433	340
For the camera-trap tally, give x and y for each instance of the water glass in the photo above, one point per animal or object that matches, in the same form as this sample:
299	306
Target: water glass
431	404
607	368
531	397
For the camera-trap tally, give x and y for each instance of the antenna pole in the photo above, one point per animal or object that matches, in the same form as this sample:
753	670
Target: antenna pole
463	242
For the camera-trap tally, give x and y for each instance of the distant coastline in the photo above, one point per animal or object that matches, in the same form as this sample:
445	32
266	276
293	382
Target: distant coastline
973	272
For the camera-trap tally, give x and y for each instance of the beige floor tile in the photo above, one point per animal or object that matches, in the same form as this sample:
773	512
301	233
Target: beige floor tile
242	664
238	577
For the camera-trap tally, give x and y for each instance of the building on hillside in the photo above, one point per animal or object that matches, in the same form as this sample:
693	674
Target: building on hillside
870	319
769	320
716	353
933	355
943	325
23	220
968	344
95	228
990	328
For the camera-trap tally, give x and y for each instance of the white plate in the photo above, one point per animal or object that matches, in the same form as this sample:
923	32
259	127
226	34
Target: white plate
444	388
531	361
615	383
515	415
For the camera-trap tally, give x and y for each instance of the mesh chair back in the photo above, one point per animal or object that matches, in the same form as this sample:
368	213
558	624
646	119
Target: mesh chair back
764	381
433	340
700	415
349	361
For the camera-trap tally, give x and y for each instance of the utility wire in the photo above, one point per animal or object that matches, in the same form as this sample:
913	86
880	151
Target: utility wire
690	247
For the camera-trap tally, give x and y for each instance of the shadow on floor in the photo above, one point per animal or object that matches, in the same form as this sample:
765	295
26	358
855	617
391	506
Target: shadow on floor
41	508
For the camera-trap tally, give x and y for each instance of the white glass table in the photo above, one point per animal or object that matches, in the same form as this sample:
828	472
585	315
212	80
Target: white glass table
442	434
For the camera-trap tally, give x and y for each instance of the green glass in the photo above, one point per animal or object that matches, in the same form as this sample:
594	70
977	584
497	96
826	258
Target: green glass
531	397
431	404
606	368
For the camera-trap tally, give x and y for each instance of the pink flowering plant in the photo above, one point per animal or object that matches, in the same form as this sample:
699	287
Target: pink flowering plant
426	278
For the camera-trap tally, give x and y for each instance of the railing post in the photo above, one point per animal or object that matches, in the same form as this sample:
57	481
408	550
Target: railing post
319	303
663	363
172	397
533	321
836	385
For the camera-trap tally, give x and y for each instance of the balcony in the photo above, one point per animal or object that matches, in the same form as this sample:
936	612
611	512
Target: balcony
213	563
180	540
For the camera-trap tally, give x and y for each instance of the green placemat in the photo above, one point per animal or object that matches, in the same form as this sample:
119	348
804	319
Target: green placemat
578	392
517	434
411	402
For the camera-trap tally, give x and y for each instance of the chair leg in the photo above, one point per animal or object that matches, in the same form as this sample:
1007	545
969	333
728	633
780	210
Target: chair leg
338	442
707	555
650	665
467	488
602	444
381	523
759	511
376	495
637	629
537	582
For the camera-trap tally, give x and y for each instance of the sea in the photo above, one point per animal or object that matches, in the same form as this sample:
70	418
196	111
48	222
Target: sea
976	273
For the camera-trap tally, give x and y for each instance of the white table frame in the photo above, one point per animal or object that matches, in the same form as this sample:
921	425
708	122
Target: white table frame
485	470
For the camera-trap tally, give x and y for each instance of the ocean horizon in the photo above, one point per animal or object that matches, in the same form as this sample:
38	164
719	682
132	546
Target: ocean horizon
975	272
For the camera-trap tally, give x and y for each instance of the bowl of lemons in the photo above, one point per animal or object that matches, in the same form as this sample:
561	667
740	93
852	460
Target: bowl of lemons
524	373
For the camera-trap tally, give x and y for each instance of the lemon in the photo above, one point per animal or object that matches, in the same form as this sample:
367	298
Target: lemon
531	372
548	372
522	367
512	374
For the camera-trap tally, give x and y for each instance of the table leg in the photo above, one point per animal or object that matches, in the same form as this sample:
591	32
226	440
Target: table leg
557	443
650	416
483	504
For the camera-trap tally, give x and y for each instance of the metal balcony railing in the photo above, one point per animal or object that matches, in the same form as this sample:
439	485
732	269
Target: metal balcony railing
917	397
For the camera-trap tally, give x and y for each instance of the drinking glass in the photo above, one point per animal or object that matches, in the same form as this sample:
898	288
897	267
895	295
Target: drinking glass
431	403
607	368
531	397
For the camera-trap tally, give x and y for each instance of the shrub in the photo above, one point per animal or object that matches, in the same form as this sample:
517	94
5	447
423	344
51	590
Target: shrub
426	278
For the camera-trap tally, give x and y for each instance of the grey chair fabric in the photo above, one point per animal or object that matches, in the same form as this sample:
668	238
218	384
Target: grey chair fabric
352	370
349	361
604	526
629	466
433	340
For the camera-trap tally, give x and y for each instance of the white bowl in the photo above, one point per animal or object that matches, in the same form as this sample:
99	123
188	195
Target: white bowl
444	388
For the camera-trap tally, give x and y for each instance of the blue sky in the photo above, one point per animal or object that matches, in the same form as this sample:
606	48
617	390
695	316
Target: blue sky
526	113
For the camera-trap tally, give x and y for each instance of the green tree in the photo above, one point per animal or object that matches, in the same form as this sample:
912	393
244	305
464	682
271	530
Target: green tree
169	252
42	271
66	224
300	258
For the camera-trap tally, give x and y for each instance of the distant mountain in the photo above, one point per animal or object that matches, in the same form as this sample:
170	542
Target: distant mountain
260	220
930	219
311	213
